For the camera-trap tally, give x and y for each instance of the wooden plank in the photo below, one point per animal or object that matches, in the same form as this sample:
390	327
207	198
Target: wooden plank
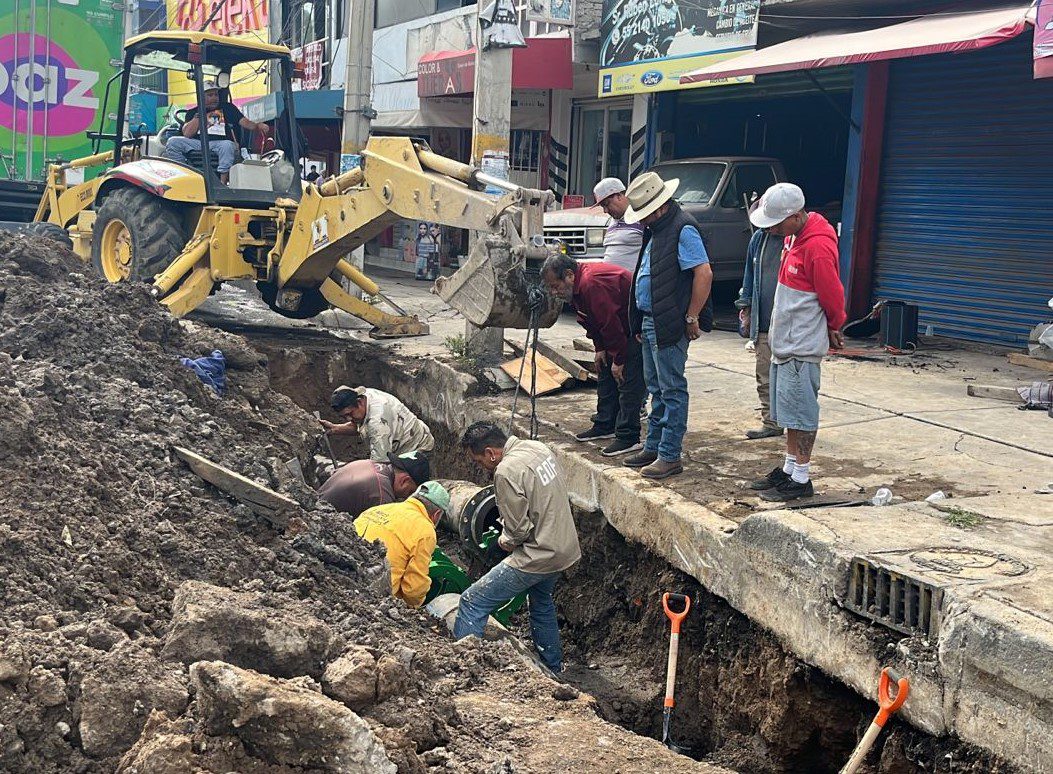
995	393
550	377
1017	358
266	502
557	357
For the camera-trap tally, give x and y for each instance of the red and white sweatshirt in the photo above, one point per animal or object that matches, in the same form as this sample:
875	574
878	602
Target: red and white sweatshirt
810	299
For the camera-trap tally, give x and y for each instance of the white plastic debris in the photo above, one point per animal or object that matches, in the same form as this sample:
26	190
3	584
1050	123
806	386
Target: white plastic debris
883	496
936	496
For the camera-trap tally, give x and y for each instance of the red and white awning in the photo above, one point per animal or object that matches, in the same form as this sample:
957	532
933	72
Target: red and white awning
936	34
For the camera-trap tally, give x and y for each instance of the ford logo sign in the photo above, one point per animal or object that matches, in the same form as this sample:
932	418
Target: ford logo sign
651	78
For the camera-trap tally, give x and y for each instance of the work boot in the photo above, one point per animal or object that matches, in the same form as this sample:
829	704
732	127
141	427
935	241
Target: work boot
770	481
662	469
621	446
788	490
641	459
594	434
764	432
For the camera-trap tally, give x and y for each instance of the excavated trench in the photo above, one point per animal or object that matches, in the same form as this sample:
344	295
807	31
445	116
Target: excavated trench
743	701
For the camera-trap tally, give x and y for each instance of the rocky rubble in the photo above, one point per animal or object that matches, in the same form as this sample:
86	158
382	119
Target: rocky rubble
148	623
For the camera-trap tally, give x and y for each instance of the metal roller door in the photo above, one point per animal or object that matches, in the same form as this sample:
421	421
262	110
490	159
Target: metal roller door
965	219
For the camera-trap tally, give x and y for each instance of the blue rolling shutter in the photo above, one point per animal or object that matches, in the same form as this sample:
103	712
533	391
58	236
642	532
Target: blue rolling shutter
965	219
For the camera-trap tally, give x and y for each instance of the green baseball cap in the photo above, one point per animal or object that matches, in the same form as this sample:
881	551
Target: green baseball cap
435	493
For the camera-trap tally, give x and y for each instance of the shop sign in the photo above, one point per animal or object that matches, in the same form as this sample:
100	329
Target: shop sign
551	12
648	44
312	55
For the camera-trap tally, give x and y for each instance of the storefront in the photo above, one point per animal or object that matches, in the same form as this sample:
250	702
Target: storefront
802	123
947	166
962	228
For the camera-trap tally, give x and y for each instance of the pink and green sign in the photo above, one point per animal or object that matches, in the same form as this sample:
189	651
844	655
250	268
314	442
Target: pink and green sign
53	73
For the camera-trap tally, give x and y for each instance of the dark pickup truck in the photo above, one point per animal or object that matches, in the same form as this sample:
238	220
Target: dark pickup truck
713	189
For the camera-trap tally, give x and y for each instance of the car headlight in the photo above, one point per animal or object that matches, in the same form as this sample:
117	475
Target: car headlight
594	237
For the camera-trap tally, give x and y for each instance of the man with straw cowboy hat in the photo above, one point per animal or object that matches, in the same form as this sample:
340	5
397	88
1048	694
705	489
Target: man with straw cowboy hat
669	306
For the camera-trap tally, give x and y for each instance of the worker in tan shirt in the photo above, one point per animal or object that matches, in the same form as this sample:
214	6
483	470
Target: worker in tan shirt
538	533
386	422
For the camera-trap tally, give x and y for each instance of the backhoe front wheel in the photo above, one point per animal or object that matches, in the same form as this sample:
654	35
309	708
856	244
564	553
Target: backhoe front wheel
135	236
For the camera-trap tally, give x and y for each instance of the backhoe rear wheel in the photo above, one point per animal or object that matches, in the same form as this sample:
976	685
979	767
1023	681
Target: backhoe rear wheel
135	236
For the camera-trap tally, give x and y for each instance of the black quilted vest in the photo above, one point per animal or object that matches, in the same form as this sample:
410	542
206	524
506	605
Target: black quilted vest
670	287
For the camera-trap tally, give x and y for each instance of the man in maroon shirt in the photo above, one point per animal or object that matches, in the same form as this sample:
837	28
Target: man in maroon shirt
362	484
600	294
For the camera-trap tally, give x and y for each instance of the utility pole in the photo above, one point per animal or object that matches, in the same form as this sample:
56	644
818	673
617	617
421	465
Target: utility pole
491	138
358	80
357	113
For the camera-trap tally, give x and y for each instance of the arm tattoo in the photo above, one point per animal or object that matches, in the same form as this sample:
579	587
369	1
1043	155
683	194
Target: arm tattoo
805	442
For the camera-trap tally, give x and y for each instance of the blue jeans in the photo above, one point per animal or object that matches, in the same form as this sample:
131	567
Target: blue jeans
664	373
500	585
177	147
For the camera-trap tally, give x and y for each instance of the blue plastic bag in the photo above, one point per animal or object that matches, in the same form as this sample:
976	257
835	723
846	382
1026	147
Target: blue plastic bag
211	370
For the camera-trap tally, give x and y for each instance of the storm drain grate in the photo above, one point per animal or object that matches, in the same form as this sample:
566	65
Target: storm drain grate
894	600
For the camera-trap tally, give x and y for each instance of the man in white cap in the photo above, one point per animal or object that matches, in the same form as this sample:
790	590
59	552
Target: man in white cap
669	306
806	319
222	118
622	242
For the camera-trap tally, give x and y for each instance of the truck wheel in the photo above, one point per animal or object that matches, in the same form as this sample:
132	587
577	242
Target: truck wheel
135	236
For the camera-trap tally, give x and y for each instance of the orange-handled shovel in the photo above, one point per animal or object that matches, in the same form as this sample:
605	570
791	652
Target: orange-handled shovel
675	619
887	706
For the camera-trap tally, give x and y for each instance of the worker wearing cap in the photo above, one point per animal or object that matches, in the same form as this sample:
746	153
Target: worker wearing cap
407	530
622	242
388	425
362	484
806	319
222	118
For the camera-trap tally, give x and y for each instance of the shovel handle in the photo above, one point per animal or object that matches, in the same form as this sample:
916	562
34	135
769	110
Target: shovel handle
676	618
889	704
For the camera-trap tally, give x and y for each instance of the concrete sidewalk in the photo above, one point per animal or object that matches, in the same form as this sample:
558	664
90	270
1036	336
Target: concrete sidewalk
953	593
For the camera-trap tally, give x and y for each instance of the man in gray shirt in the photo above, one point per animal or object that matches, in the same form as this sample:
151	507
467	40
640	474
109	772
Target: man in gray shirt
623	241
538	533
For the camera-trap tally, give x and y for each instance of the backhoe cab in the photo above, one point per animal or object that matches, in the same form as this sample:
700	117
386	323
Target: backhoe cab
180	221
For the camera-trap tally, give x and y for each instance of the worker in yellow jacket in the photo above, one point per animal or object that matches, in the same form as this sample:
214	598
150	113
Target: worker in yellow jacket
407	530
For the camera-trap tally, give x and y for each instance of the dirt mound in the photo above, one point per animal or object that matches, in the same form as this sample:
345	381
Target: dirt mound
101	524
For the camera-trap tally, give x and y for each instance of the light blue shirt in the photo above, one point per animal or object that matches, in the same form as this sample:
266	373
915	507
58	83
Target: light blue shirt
691	253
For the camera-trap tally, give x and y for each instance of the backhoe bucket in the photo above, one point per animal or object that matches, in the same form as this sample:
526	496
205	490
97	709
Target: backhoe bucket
491	289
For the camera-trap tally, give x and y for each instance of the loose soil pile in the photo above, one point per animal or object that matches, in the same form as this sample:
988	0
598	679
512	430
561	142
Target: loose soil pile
102	527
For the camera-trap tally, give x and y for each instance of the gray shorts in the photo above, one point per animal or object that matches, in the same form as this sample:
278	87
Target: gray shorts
795	395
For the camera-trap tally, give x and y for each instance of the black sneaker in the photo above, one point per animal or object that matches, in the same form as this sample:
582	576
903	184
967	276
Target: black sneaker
788	490
620	446
640	459
594	434
770	481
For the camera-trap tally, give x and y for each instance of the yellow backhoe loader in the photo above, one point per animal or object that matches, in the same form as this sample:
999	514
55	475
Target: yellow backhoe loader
173	219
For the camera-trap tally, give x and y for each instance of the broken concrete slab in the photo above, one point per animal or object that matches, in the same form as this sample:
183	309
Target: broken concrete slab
285	724
119	693
214	623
